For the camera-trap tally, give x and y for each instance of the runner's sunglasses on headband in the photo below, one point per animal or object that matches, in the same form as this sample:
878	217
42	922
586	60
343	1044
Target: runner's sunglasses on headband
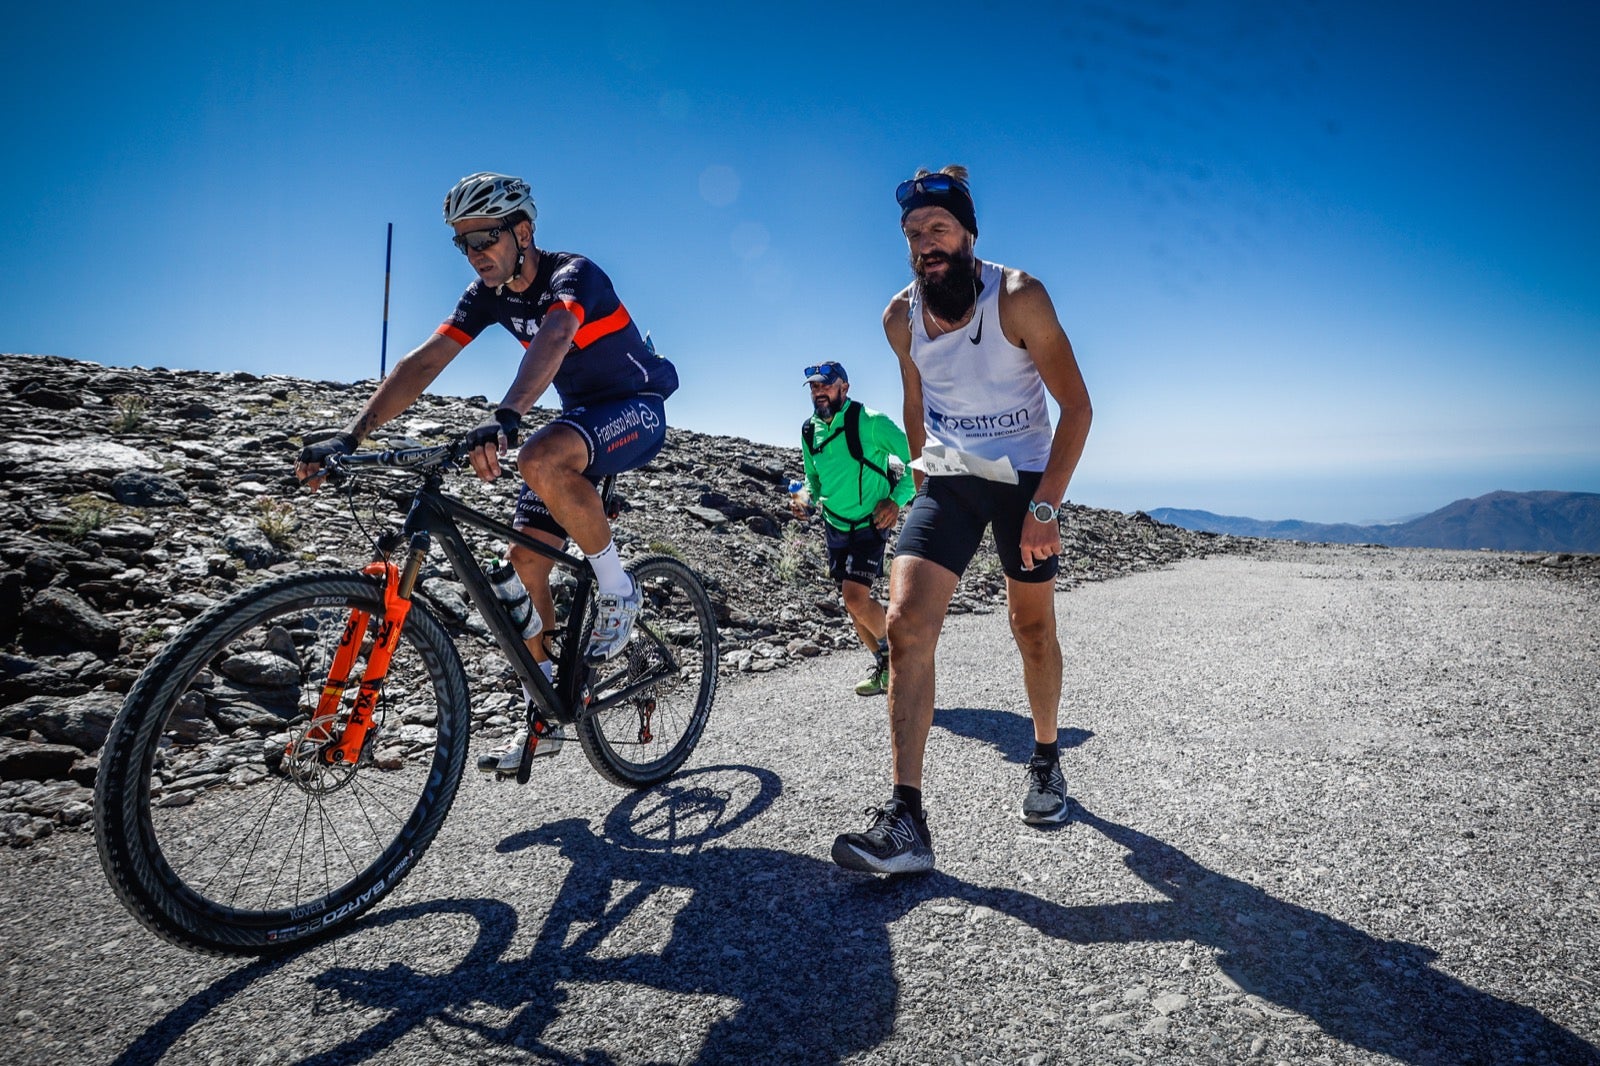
934	183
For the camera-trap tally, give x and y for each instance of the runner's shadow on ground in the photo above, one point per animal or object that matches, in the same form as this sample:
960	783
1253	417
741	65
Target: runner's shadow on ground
799	956
1007	732
1383	995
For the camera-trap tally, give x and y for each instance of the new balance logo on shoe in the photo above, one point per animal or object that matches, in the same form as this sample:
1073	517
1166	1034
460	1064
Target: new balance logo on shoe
897	842
1045	802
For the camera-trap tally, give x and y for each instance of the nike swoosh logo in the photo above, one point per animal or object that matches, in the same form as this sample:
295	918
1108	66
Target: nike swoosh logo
979	336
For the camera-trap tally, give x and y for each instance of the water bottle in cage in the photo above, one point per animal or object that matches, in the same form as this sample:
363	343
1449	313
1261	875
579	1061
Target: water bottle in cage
509	587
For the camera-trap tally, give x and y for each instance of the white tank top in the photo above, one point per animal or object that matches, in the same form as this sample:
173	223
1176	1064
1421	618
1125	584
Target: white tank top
980	393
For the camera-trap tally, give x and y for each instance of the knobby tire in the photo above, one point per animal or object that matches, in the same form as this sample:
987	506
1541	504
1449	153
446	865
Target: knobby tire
641	739
218	827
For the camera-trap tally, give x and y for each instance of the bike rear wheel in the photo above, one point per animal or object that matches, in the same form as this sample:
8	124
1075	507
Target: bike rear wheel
648	705
219	825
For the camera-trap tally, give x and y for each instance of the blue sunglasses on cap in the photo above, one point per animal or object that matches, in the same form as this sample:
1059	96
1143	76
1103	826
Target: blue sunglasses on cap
827	372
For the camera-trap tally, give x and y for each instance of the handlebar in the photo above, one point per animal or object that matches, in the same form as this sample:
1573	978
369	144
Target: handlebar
432	457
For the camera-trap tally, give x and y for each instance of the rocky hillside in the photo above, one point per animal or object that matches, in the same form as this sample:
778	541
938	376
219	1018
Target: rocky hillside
134	499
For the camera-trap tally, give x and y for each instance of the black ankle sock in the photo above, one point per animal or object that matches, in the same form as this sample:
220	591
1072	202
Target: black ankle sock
1051	751
911	797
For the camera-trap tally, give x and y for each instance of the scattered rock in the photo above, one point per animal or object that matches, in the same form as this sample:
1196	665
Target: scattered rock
64	613
140	488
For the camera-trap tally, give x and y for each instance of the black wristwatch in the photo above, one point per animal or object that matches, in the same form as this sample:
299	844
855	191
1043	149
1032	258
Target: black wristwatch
1044	512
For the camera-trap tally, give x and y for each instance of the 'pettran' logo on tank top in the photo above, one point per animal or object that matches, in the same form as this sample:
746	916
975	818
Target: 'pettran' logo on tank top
999	425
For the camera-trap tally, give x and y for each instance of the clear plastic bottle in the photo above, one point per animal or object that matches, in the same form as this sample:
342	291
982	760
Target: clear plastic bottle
801	495
509	587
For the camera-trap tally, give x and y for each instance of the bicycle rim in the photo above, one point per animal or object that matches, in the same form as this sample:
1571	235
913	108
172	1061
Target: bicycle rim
221	826
649	704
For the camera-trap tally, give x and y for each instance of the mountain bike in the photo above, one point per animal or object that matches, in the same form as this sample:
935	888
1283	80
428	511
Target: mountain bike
282	763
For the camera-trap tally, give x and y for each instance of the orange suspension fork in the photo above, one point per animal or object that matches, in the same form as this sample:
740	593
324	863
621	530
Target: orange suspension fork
397	587
355	629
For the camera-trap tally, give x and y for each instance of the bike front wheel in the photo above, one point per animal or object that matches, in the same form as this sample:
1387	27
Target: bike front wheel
224	824
648	705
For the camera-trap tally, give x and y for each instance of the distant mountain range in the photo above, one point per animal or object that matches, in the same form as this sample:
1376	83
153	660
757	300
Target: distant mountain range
1504	521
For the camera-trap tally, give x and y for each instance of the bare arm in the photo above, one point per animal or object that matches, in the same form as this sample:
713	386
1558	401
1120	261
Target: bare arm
1031	324
897	328
397	391
542	360
410	377
535	373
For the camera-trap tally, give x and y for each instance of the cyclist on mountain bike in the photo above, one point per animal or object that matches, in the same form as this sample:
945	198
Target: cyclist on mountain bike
579	337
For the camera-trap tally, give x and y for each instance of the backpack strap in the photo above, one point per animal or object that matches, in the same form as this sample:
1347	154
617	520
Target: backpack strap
852	440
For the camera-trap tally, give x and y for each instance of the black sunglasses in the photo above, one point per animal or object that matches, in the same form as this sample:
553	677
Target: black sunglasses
479	239
934	183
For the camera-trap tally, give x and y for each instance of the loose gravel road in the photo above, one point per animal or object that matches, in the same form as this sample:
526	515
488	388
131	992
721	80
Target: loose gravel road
1336	805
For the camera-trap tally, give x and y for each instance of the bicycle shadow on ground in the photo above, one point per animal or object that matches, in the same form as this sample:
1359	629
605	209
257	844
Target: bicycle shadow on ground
1008	732
156	1041
799	956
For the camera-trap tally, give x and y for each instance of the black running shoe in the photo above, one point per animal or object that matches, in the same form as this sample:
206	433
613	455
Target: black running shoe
897	842
1046	802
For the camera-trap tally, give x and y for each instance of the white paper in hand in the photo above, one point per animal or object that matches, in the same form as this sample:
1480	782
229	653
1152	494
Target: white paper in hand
937	460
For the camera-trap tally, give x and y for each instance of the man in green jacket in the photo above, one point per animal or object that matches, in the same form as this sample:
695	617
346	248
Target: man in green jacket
855	460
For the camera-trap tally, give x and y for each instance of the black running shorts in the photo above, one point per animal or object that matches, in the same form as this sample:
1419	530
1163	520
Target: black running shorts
856	555
949	515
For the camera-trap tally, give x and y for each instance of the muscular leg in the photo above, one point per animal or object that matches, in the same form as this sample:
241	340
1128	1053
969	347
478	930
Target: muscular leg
552	463
919	595
870	620
1032	608
534	570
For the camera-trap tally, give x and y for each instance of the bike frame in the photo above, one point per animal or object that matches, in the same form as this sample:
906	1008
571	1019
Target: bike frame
435	514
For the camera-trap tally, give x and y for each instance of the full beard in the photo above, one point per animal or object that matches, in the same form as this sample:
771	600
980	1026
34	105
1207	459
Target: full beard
825	408
954	294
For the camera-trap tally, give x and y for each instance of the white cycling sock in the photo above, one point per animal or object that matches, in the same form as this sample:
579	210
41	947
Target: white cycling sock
608	572
549	668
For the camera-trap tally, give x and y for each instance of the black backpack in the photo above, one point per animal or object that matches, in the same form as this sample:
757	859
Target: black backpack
852	440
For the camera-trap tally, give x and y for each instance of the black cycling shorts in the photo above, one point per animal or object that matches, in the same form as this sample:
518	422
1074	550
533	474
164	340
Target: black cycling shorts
620	435
949	515
857	555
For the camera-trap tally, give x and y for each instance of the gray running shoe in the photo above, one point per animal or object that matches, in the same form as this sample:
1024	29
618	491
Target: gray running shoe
613	625
897	842
1046	802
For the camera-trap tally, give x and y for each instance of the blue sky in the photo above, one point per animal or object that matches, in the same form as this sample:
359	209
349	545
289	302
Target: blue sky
1323	261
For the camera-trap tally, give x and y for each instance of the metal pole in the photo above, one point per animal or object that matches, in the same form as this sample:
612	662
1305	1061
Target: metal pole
388	258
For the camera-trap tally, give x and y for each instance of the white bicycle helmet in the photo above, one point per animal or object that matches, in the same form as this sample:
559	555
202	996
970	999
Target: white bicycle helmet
487	195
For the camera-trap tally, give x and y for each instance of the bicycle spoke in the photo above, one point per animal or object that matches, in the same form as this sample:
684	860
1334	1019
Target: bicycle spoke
243	809
649	707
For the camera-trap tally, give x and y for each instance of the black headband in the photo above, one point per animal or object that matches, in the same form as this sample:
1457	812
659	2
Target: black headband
954	198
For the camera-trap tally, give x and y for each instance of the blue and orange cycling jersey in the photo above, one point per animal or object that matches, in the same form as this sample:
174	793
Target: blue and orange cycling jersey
608	359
